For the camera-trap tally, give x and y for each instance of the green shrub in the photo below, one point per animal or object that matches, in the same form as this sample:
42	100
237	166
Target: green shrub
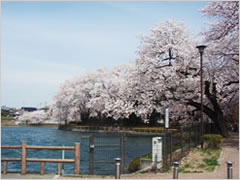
134	165
212	140
148	156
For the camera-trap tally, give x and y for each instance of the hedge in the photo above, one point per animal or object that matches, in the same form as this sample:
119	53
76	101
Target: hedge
212	140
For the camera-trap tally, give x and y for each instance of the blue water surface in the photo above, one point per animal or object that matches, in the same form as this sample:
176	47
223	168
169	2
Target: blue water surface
51	136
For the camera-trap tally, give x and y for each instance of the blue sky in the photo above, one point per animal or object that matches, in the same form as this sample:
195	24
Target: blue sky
45	43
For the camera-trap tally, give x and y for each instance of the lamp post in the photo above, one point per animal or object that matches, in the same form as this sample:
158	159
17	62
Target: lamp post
201	50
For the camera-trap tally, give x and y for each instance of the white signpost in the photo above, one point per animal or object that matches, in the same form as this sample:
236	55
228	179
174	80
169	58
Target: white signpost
166	118
165	137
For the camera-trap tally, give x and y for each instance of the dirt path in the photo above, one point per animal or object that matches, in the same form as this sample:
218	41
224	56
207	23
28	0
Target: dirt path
230	153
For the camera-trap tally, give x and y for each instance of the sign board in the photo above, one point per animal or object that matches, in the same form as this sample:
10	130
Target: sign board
166	118
156	150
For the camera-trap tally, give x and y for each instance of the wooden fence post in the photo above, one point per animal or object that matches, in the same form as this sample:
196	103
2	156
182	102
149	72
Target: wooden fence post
59	168
42	168
24	157
5	167
77	158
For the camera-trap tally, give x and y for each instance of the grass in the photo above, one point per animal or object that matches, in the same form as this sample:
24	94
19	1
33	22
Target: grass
201	160
7	121
188	165
207	151
211	168
211	161
148	156
7	118
188	171
202	166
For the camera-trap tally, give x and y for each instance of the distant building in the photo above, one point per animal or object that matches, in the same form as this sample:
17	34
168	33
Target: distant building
29	109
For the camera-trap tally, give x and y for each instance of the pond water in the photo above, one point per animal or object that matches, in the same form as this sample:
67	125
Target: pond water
51	136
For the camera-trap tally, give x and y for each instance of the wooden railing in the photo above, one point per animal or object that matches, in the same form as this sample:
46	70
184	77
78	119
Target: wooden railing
24	158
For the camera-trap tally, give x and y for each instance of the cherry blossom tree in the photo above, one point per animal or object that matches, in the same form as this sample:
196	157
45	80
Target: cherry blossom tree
222	66
222	38
34	117
70	102
89	95
166	73
107	95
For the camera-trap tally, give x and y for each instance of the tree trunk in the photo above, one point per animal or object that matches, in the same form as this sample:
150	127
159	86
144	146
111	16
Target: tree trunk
217	117
216	113
222	126
212	97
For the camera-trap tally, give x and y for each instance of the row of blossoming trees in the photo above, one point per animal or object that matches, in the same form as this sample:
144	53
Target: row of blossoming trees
165	73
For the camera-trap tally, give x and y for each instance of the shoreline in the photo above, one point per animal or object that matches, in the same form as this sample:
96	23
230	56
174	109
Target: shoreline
41	125
112	131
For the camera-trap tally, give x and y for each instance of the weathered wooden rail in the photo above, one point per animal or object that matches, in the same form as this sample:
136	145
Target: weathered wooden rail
24	158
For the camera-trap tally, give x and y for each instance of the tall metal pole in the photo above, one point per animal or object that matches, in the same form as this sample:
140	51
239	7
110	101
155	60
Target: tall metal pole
201	49
201	84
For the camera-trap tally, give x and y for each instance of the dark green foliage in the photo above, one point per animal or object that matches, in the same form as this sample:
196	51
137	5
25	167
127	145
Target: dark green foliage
7	115
212	140
154	117
176	147
4	112
132	121
135	164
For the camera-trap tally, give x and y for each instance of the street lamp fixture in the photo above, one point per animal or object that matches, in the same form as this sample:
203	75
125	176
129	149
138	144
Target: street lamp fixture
201	50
